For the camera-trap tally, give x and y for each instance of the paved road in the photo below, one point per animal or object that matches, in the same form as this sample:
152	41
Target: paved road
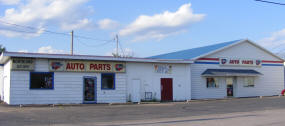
245	111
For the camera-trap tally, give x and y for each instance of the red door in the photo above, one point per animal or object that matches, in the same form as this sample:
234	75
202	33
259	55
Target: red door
166	89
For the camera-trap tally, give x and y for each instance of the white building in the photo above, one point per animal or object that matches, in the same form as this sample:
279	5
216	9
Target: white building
32	78
238	68
232	69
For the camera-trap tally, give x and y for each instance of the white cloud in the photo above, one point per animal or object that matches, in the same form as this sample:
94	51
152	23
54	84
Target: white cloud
275	42
10	2
161	25
107	24
38	13
50	49
83	23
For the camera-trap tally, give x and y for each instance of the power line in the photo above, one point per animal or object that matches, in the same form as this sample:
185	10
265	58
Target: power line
88	45
14	30
33	28
270	2
52	32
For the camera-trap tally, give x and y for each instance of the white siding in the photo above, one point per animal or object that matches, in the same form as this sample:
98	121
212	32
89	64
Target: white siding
243	50
150	81
1	82
6	80
198	83
68	87
270	83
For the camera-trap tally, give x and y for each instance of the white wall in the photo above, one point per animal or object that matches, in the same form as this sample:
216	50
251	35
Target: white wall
68	87
6	80
150	81
1	82
243	50
270	83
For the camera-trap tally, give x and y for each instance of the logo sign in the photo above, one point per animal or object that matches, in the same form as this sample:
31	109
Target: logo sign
23	64
240	62
165	69
258	62
119	67
86	66
56	65
223	61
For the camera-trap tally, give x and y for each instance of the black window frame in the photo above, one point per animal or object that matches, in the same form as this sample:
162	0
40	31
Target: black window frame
114	81
52	74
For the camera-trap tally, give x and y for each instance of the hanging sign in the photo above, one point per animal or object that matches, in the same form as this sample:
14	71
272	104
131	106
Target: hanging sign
86	66
165	69
23	64
240	62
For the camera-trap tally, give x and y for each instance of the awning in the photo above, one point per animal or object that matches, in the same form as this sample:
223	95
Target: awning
230	72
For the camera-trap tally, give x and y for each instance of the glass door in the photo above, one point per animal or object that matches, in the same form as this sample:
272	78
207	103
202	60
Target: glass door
230	87
89	90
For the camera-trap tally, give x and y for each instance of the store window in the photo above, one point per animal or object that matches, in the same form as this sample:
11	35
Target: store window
108	81
41	80
248	82
212	82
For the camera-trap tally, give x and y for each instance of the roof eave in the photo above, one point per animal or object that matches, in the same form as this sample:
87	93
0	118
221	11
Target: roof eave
79	57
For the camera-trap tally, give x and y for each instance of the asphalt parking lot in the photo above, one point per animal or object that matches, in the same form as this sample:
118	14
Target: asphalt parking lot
246	111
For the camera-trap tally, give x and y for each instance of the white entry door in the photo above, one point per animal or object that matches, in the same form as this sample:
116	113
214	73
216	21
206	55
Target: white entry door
136	90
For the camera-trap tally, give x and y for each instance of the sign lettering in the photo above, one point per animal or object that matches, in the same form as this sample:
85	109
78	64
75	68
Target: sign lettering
240	62
86	66
22	64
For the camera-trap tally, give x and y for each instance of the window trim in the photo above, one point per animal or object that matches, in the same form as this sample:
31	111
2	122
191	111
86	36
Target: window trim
114	81
248	85
52	73
216	84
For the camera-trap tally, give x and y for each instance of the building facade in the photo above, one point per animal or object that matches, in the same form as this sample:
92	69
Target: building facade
233	69
63	79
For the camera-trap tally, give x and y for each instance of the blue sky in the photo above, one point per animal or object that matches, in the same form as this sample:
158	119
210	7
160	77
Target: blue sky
145	28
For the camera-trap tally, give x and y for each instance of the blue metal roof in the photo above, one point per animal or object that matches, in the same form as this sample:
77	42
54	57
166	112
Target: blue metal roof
194	52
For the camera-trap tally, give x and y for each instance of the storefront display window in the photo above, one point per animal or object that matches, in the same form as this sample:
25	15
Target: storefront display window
41	80
248	82
108	81
212	82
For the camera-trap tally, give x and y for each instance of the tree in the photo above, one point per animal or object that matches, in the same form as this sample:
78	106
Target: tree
2	49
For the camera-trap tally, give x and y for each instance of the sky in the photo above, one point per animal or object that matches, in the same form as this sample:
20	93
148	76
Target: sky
144	28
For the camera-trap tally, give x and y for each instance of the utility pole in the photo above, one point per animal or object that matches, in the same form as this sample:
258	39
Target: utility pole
71	51
117	49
